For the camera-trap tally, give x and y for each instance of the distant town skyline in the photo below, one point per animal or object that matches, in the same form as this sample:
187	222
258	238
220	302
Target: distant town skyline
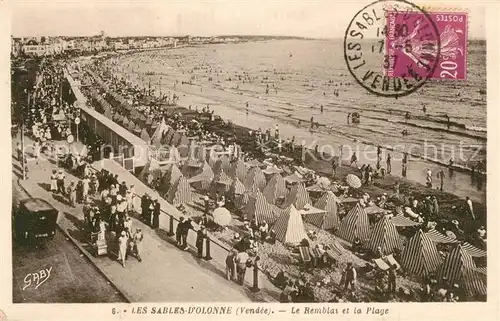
118	18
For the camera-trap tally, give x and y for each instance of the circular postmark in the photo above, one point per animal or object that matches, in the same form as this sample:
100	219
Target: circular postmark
392	47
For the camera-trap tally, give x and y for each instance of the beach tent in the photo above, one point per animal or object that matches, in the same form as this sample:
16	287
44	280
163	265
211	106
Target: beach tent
180	192
294	178
145	136
161	130
237	188
191	167
355	223
167	138
327	202
131	125
459	268
420	256
312	215
203	180
150	171
289	226
223	163
221	183
212	159
176	138
385	236
174	155
259	209
255	178
170	178
298	196
275	189
238	170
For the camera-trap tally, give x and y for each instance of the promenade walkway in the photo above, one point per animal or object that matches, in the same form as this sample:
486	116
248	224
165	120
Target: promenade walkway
166	273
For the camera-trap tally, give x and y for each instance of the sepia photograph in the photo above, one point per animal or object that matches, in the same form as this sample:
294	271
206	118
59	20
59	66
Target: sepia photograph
248	152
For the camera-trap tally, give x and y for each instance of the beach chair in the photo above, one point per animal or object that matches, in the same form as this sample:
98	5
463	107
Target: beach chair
305	254
392	261
334	254
381	264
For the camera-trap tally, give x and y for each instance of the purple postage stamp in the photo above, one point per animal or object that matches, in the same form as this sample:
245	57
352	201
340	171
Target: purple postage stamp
410	45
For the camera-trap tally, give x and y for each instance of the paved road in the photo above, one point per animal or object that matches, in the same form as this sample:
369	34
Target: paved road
73	278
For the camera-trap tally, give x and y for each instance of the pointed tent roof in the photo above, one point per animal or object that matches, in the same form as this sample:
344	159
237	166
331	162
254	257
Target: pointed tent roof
298	196
237	187
256	178
124	120
239	170
223	163
459	268
259	209
131	125
180	192
168	136
171	176
159	132
289	226
385	235
212	159
145	136
420	255
204	179
328	202
275	189
152	167
222	178
355	223
174	155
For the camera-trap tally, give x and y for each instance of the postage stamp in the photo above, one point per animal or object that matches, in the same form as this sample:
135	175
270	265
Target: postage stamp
410	42
371	47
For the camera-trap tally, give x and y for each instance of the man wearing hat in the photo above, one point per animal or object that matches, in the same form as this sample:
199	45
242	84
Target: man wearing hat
60	182
156	214
144	206
122	189
178	230
137	244
349	276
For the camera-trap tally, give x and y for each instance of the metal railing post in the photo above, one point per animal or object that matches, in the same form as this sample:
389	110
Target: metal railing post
207	248
170	225
255	287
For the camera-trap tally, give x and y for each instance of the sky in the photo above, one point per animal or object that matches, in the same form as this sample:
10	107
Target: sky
304	18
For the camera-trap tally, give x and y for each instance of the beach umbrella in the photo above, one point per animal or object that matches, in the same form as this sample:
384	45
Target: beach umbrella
221	216
353	181
323	182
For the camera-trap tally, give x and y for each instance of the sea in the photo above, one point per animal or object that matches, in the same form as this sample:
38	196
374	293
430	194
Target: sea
286	82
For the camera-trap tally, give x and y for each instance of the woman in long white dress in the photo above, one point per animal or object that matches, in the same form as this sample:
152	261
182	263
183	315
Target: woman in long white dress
122	247
53	181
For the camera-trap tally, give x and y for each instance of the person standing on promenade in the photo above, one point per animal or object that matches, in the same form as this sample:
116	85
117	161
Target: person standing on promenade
241	261
200	237
185	231
231	265
60	182
178	231
137	244
72	194
156	214
144	206
53	181
122	247
440	175
388	162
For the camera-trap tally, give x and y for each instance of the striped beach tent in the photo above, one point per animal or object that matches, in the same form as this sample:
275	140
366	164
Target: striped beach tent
180	192
355	224
385	236
473	251
259	209
420	256
183	146
294	178
131	125
124	120
221	183
403	221
150	171
171	176
157	136
238	170
459	268
256	178
241	200
223	163
298	196
168	136
289	226
237	188
275	189
203	180
438	237
328	202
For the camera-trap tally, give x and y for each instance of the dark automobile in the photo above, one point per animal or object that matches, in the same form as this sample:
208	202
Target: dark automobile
35	220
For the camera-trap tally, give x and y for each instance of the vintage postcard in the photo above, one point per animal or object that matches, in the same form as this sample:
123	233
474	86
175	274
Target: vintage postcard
249	159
